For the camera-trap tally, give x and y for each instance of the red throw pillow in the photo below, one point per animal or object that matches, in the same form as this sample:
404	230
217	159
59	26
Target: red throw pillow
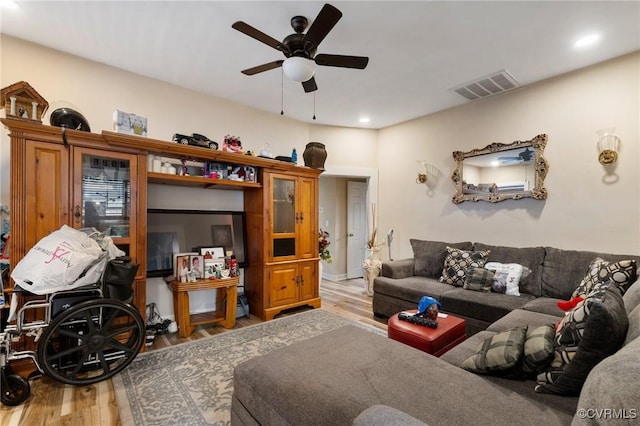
570	304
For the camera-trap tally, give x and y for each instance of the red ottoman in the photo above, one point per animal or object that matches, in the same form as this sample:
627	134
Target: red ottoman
435	341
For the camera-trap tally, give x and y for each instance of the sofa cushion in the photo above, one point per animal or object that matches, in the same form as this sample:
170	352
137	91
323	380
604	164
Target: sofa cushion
487	307
458	261
530	257
498	353
634	326
593	330
479	279
411	289
613	384
623	273
544	305
563	270
632	297
429	256
522	317
538	348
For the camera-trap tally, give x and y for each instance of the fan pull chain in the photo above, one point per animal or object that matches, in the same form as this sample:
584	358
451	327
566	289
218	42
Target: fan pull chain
281	92
314	105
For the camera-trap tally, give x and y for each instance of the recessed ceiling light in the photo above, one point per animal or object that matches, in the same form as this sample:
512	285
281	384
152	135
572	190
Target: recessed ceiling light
586	41
365	119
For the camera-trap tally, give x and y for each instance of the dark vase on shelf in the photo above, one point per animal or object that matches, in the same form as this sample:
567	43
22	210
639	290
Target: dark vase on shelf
314	155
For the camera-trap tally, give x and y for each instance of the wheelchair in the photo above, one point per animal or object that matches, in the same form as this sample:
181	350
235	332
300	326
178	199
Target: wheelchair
88	334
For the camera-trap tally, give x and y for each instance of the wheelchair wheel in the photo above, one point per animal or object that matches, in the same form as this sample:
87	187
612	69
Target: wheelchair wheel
15	389
91	341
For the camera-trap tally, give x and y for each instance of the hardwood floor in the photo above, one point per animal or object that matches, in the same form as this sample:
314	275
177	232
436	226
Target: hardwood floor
52	403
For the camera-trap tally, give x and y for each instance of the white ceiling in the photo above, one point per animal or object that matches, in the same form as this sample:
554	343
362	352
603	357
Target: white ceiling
418	50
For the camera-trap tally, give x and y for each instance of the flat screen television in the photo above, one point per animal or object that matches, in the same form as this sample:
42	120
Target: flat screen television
180	231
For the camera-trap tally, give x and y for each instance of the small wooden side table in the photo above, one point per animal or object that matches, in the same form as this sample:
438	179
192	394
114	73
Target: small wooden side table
225	313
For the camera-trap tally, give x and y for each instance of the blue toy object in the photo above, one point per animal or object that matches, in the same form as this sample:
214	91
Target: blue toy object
425	302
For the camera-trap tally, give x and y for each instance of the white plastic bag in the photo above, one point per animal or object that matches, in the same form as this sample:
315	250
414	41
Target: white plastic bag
65	259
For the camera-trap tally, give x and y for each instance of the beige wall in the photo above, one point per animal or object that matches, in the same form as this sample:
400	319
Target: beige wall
583	210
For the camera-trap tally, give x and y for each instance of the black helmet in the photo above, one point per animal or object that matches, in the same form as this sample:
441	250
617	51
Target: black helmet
71	119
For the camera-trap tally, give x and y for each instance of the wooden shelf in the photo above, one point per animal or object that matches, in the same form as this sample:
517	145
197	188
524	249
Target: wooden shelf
198	181
167	149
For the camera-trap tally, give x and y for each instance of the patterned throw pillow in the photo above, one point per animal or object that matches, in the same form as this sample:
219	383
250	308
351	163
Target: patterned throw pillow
478	279
498	353
593	330
538	348
623	273
458	261
507	277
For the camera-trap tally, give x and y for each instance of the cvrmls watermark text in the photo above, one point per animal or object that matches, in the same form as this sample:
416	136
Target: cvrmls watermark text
608	413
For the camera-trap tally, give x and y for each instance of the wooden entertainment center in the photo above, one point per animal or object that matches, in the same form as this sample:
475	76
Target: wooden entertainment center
55	174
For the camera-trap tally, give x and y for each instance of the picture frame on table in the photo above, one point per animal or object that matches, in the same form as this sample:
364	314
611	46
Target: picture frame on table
216	252
197	266
181	265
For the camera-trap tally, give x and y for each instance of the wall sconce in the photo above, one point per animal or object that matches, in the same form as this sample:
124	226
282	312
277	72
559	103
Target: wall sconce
608	145
422	174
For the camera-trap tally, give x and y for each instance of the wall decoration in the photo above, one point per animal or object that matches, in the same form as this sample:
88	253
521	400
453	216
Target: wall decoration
500	172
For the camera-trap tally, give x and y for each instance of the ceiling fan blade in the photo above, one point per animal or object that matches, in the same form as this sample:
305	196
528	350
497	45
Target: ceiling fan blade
344	61
263	67
252	32
324	22
310	85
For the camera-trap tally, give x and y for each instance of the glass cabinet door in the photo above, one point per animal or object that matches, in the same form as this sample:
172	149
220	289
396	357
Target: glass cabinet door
105	187
284	216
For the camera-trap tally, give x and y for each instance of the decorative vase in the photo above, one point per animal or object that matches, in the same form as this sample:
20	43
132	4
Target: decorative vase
319	273
371	268
315	155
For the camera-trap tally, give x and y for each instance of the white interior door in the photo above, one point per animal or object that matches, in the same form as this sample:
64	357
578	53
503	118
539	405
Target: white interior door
356	227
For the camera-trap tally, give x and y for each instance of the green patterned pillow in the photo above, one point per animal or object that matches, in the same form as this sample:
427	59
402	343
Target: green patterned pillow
538	348
498	353
458	261
623	273
479	279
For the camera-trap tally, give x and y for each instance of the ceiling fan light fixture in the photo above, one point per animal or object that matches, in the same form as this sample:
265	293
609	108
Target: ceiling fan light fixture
299	69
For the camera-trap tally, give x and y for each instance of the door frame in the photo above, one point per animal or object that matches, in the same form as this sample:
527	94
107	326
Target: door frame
368	173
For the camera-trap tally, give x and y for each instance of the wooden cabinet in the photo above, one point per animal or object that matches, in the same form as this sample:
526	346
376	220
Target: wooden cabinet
75	178
283	271
68	177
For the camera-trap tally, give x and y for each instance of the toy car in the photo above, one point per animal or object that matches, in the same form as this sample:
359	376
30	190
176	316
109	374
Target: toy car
195	140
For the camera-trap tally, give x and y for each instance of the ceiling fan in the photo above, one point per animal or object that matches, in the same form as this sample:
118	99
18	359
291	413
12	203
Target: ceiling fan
300	49
525	157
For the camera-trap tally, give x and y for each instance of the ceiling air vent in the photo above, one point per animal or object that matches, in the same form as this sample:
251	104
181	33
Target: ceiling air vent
492	84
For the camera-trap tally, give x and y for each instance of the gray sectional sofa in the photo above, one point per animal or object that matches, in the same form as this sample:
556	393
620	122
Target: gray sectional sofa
352	376
555	273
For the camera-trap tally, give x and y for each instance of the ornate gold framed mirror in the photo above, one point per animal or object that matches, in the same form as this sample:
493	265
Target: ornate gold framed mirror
500	172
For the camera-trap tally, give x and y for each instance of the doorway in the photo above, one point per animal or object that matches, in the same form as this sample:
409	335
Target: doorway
343	211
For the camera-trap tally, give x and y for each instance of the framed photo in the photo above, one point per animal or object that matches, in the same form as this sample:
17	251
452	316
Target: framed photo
210	266
215	252
222	236
181	265
197	266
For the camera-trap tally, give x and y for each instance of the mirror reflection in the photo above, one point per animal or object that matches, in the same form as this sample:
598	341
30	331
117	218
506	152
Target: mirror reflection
501	171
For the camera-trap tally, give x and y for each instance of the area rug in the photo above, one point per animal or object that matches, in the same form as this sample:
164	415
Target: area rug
192	383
